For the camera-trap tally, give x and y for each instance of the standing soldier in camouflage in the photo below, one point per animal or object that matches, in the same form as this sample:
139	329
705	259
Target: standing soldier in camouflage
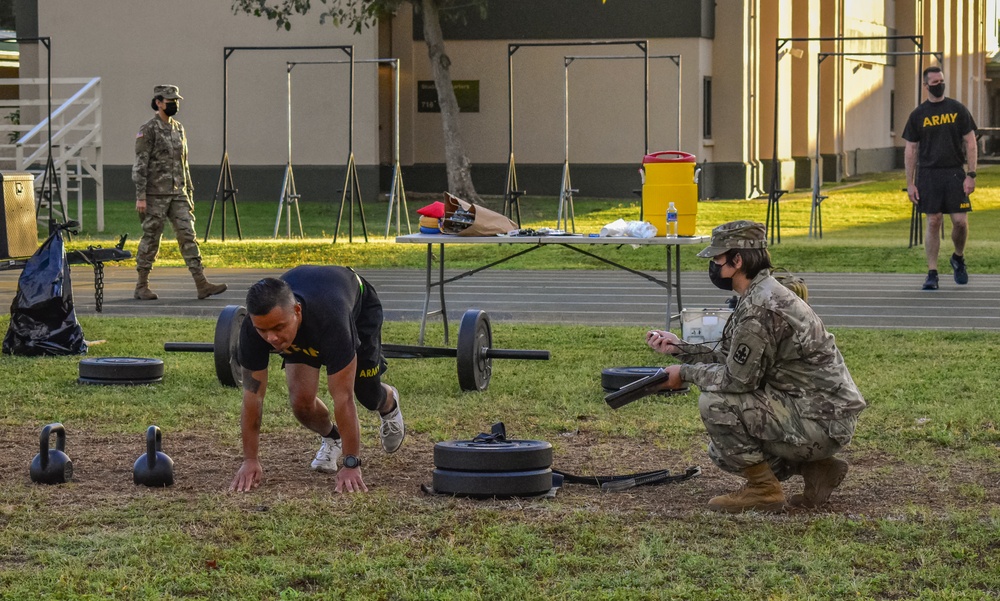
163	191
776	397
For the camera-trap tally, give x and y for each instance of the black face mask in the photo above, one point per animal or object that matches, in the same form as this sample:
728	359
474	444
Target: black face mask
936	90
715	274
170	109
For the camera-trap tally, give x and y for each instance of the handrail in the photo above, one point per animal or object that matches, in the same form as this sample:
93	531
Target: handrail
62	108
64	130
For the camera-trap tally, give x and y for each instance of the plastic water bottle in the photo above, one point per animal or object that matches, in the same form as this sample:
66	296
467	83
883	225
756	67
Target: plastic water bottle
671	221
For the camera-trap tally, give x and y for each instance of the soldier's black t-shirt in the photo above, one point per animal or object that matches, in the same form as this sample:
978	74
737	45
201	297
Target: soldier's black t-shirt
331	302
939	127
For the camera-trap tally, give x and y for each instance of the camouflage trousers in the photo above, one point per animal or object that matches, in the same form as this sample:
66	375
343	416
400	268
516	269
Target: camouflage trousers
179	210
750	428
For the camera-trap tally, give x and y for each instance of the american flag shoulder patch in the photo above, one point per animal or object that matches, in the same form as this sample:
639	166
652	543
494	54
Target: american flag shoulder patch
138	135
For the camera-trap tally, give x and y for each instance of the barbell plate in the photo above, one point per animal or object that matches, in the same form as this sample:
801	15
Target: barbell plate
474	335
227	346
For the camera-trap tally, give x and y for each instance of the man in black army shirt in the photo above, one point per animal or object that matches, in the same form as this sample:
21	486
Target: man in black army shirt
940	138
316	316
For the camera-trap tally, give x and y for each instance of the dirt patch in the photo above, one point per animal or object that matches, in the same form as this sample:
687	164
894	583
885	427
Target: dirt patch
877	485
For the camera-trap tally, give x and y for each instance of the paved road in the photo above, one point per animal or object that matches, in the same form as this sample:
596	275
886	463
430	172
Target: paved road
589	297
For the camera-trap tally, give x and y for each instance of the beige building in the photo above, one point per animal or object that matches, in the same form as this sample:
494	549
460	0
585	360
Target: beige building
572	102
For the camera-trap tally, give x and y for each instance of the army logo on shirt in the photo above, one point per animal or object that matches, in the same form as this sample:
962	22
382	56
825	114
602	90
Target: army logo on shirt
742	354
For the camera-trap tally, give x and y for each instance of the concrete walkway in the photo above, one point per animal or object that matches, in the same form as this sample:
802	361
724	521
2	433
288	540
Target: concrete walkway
875	301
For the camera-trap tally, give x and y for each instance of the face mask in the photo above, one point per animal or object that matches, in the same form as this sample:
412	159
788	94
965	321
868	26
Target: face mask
936	90
171	109
715	274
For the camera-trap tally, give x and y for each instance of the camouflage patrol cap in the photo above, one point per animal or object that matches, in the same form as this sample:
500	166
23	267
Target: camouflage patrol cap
167	92
735	235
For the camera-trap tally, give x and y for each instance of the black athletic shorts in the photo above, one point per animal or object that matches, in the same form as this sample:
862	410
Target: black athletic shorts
368	387
941	190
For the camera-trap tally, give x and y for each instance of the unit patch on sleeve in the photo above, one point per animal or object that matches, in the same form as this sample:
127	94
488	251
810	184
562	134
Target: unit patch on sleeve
742	354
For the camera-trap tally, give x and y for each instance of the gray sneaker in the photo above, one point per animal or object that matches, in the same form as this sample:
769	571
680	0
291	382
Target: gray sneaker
327	456
392	431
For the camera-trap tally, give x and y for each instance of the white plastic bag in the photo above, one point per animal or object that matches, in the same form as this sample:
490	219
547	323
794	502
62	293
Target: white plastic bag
630	229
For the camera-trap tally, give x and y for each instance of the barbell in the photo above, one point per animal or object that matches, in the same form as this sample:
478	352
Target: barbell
474	352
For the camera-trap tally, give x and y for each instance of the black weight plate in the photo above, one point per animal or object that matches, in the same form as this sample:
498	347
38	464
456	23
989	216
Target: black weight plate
493	484
227	346
616	378
107	382
120	368
507	456
474	334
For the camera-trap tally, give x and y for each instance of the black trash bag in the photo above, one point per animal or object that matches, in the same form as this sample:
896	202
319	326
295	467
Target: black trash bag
42	317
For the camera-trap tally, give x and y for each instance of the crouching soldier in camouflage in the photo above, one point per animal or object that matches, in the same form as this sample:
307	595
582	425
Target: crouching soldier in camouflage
776	397
163	191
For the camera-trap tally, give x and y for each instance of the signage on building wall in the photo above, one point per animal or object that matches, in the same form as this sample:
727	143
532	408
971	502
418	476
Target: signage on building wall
466	93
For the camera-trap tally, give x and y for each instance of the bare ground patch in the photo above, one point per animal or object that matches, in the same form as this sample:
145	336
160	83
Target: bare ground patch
876	486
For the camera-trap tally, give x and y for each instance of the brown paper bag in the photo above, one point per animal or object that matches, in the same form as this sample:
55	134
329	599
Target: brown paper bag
484	221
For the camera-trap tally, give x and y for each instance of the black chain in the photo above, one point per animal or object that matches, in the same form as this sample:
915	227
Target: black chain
99	285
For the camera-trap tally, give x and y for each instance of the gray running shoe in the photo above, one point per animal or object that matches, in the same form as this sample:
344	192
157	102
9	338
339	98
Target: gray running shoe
392	431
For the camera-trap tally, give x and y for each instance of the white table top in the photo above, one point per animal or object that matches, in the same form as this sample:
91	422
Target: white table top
570	239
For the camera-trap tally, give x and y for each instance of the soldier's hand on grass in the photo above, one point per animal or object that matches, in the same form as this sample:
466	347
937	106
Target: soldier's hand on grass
349	480
248	477
662	341
140	207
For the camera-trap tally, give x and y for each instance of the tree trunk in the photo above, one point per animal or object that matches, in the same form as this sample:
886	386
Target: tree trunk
457	163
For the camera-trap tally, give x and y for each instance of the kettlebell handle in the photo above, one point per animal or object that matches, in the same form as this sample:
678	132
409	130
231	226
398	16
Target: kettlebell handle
154	443
43	442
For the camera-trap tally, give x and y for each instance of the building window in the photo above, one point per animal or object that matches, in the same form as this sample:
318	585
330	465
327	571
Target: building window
706	106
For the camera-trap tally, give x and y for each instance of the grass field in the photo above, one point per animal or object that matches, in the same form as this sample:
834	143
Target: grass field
865	224
918	516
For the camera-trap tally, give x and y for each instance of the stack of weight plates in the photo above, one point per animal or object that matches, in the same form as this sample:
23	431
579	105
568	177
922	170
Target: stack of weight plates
506	468
120	371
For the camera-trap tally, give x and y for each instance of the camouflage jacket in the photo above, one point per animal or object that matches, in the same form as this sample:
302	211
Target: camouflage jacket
161	160
775	342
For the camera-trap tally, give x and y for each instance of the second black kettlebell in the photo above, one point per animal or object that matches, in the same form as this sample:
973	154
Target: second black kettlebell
153	468
52	466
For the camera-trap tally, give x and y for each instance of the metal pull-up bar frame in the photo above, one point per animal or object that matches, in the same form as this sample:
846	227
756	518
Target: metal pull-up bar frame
226	188
50	183
773	220
511	205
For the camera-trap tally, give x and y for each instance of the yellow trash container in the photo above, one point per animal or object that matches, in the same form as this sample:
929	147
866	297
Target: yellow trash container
669	177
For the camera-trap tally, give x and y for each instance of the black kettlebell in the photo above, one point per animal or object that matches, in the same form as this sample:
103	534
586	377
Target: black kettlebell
52	466
153	468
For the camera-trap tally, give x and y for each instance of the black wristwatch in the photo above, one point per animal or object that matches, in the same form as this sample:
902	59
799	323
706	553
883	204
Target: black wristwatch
972	174
351	461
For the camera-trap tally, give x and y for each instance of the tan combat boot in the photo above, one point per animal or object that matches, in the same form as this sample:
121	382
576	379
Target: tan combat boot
821	478
206	288
142	291
762	492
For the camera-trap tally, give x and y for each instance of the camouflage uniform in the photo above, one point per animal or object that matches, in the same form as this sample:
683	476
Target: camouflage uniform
776	388
162	177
